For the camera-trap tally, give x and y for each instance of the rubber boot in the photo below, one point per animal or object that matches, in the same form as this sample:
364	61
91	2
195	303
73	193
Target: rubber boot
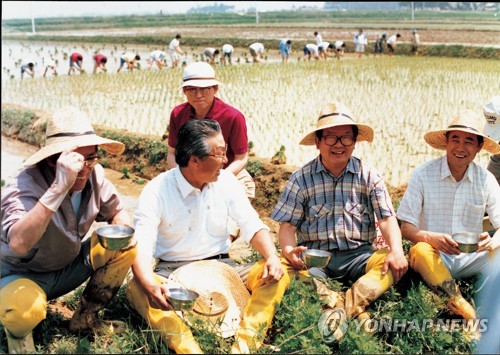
427	262
331	298
259	312
174	333
24	345
111	269
369	286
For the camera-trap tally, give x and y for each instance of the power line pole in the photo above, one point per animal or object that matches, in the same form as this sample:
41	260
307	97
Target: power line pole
256	14
32	18
412	11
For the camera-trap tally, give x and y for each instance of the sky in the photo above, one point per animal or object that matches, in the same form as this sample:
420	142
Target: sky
27	9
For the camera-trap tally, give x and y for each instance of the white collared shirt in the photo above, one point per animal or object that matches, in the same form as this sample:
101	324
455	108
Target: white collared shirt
178	222
436	202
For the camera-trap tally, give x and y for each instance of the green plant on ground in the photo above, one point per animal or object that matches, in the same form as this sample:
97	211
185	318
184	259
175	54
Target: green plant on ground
125	173
254	167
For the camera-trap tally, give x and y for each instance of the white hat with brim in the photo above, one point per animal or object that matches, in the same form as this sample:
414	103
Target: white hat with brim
199	74
466	121
223	296
336	114
70	128
492	115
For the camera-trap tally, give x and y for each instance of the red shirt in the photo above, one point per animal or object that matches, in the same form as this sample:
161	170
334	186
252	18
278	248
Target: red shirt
231	121
99	57
74	56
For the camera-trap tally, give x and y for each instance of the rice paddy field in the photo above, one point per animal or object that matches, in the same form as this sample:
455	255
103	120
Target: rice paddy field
401	97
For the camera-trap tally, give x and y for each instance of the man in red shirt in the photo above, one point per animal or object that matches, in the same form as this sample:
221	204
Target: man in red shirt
75	62
100	61
199	86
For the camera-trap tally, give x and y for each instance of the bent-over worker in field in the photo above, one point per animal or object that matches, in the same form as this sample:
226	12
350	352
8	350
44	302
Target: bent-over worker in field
256	51
200	87
211	54
29	69
100	61
75	62
130	59
181	217
157	57
332	204
449	195
47	210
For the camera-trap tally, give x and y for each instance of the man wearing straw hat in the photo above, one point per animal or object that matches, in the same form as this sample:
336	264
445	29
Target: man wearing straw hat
47	210
447	195
200	87
332	203
492	129
181	218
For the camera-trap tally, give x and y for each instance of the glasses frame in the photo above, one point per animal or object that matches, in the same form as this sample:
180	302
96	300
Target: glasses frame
193	91
220	156
339	138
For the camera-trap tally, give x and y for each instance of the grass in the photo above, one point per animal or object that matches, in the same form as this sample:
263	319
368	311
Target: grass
294	327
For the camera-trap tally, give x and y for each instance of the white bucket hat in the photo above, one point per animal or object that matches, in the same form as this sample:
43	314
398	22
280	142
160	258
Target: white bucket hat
466	121
69	127
336	114
199	74
223	296
492	114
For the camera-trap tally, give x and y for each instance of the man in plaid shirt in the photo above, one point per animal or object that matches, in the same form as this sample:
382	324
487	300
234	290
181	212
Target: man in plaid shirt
332	203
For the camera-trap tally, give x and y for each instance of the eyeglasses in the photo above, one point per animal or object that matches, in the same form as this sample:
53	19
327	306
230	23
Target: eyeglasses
345	140
219	156
195	91
90	162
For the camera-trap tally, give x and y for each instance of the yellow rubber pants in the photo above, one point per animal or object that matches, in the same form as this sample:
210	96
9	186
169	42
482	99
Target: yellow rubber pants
427	262
23	304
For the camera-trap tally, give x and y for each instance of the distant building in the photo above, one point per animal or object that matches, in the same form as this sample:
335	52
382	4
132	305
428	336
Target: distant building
211	9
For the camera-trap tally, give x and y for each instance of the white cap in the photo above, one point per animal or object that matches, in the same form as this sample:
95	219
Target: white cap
199	74
492	114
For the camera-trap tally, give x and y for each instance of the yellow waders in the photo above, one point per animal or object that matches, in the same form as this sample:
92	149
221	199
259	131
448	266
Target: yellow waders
427	262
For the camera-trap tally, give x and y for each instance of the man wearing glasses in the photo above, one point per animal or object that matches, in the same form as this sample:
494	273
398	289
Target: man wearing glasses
181	217
200	87
332	204
47	211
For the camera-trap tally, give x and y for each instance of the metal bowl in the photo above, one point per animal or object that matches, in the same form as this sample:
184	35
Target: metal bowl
115	237
316	258
467	241
182	299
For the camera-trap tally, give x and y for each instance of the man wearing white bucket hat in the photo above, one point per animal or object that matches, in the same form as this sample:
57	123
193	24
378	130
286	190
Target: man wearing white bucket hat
47	210
492	129
332	203
200	87
448	195
181	217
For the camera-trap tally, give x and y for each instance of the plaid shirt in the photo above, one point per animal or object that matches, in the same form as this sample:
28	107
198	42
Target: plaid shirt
334	213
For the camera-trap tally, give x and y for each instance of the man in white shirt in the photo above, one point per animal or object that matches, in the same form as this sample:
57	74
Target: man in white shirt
324	49
157	57
339	48
211	55
175	51
227	52
318	37
449	195
256	51
130	59
360	41
392	43
181	217
311	49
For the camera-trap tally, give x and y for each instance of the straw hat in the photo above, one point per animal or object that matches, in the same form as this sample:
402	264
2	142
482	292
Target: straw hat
199	74
465	121
336	114
68	127
492	114
223	296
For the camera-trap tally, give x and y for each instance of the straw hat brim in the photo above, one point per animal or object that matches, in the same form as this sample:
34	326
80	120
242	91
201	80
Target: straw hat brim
222	292
437	139
110	146
365	132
